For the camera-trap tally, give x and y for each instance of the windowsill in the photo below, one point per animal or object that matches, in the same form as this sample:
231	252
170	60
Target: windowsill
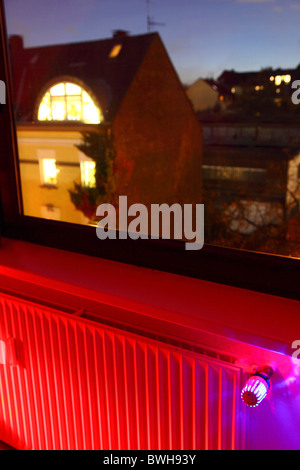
48	186
213	315
59	126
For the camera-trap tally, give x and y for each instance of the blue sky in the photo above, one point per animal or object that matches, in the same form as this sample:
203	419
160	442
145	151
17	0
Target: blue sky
202	37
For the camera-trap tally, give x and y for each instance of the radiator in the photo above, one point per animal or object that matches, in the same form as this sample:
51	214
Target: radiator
67	382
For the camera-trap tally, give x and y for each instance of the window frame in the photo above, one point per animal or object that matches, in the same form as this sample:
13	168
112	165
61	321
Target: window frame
265	273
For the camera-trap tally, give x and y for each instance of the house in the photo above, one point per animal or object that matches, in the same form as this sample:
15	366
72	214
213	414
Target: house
203	95
125	86
267	85
208	95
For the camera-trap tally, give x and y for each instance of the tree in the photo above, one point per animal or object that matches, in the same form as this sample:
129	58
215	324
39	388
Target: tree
99	147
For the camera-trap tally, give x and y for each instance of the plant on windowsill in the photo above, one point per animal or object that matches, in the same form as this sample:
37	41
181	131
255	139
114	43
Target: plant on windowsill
99	147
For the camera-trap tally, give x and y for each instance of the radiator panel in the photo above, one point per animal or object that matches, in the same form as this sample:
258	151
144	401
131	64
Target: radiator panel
70	383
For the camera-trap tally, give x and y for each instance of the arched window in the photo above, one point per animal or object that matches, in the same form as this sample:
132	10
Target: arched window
66	101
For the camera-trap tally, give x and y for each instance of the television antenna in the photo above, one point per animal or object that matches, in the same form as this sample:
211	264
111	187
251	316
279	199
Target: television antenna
150	20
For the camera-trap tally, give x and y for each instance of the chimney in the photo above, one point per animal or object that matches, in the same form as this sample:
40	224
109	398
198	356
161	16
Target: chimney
120	33
16	43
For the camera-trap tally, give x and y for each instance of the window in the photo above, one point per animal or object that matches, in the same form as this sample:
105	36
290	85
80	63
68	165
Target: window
68	102
131	119
88	168
115	51
278	79
48	169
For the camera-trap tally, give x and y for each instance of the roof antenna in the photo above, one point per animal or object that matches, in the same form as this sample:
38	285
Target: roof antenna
150	21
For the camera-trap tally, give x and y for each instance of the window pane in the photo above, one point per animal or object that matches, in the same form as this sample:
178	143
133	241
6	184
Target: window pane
186	103
72	89
58	90
58	108
49	171
88	173
45	112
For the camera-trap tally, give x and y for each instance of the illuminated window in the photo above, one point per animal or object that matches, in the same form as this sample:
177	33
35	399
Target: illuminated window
68	102
115	51
88	178
282	78
48	170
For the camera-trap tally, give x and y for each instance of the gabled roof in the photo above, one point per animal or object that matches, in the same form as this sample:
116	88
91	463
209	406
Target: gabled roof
36	68
230	78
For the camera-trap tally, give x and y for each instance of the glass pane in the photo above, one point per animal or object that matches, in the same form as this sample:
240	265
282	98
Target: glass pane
88	174
45	112
157	108
74	108
58	90
72	89
58	108
49	171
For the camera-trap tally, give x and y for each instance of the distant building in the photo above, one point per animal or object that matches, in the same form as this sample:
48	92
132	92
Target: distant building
252	172
126	84
274	83
203	95
208	95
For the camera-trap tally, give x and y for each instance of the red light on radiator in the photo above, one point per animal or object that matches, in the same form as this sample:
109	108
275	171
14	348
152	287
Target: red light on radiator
82	385
2	352
8	352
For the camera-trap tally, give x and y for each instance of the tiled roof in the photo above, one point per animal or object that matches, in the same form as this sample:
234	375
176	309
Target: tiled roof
34	69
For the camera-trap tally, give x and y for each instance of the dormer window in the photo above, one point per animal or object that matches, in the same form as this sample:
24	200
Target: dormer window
115	51
66	101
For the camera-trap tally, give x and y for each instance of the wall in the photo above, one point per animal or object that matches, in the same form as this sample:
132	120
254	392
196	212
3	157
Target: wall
35	196
202	95
157	136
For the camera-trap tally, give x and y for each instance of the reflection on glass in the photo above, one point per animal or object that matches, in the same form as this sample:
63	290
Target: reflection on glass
196	109
115	50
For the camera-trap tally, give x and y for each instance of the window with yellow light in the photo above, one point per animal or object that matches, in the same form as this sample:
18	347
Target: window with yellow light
66	101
